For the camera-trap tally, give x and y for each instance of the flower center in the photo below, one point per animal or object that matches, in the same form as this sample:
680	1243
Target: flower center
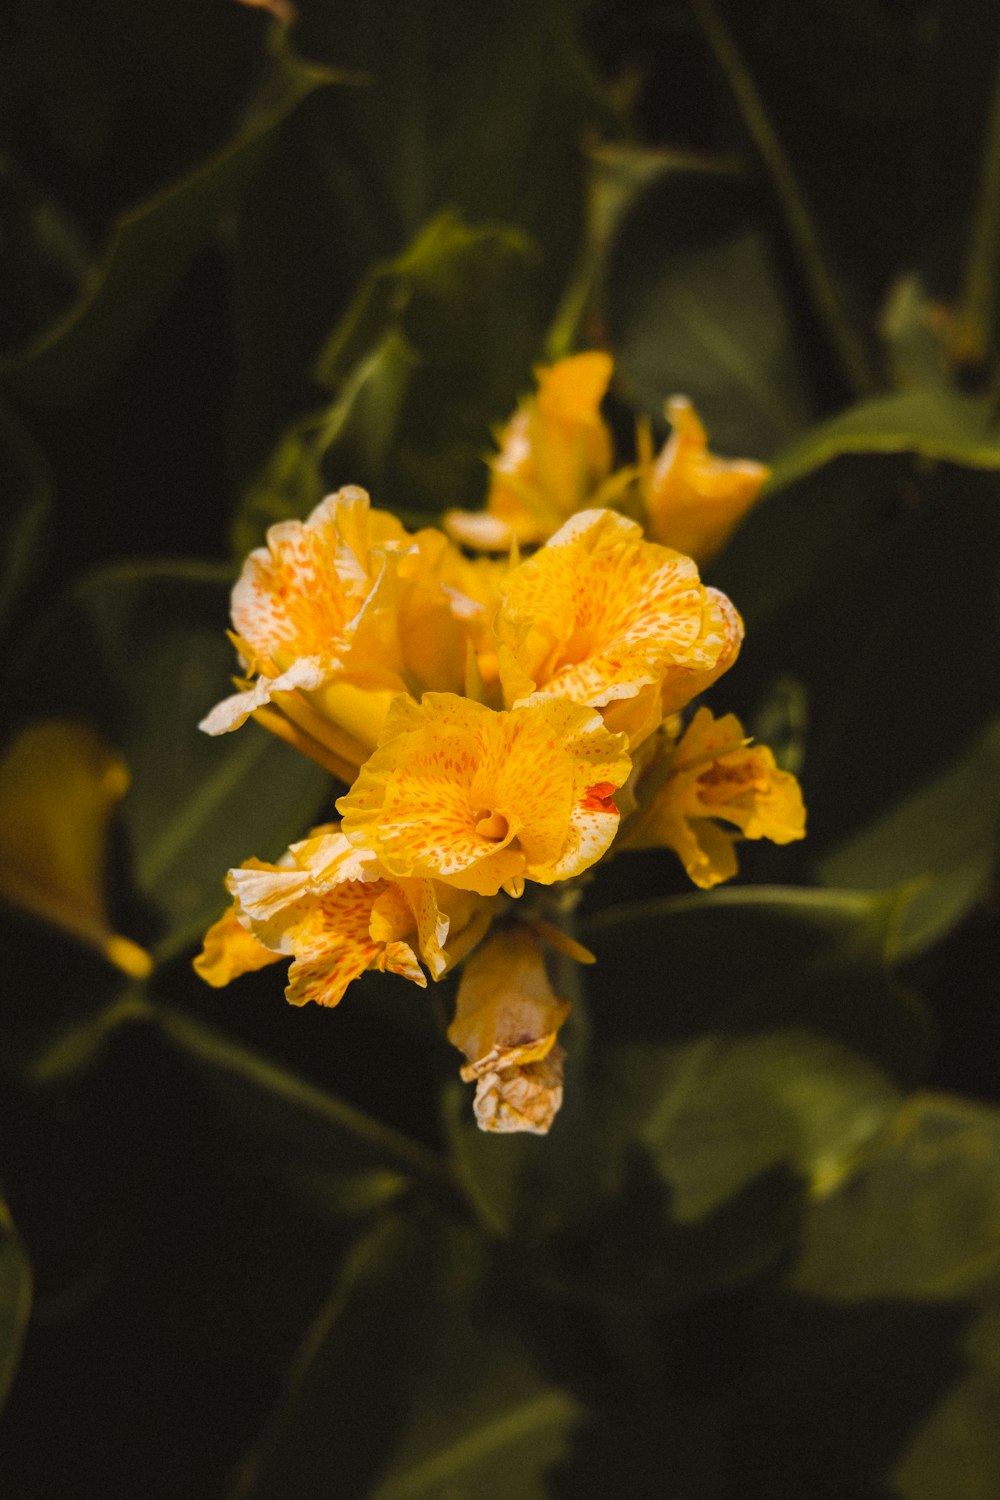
491	825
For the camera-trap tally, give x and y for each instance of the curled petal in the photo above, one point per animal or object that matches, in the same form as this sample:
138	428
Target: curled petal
693	498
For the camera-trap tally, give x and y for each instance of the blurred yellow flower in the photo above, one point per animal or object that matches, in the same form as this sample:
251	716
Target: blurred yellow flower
506	1021
716	775
606	619
59	784
693	498
483	799
555	452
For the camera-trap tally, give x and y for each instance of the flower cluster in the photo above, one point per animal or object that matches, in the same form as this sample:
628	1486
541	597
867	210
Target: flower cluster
501	725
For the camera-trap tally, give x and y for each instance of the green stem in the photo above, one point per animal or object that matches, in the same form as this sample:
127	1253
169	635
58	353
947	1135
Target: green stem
977	306
819	277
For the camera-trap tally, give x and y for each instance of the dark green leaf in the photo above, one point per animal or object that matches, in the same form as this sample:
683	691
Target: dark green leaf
15	1299
428	356
150	247
306	1123
943	839
694	306
936	424
27	488
899	1275
410	1385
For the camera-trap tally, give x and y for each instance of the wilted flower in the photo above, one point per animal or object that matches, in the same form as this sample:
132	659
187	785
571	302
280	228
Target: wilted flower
506	1021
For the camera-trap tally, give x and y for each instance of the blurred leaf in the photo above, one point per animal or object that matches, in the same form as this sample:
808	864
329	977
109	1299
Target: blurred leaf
480	114
308	1124
898	1280
141	651
945	836
15	1299
410	1385
26	484
151	246
421	364
913	327
803	1072
939	424
694	306
59	784
708	945
919	1219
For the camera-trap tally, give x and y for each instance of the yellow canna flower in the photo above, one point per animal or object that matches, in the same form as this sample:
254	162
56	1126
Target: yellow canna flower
606	619
335	616
482	799
555	452
59	784
716	775
329	908
693	498
506	1021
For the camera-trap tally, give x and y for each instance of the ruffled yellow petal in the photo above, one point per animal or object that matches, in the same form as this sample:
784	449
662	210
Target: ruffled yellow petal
694	499
600	616
328	906
230	950
715	775
506	1021
482	799
554	454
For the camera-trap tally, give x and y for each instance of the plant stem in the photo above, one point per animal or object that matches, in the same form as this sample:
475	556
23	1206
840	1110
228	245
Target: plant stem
850	349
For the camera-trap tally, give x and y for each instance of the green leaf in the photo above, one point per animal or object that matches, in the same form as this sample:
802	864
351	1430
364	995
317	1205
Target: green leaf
936	424
412	1384
905	1258
141	651
942	840
694	306
150	247
803	1072
482	118
15	1299
709	945
429	354
307	1124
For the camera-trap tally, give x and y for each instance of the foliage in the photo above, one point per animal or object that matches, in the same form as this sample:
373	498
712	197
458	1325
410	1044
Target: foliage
255	1252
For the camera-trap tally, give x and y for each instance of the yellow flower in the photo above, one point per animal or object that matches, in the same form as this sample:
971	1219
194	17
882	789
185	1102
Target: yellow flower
555	452
329	908
483	799
693	498
506	1022
604	618
59	784
716	775
335	616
